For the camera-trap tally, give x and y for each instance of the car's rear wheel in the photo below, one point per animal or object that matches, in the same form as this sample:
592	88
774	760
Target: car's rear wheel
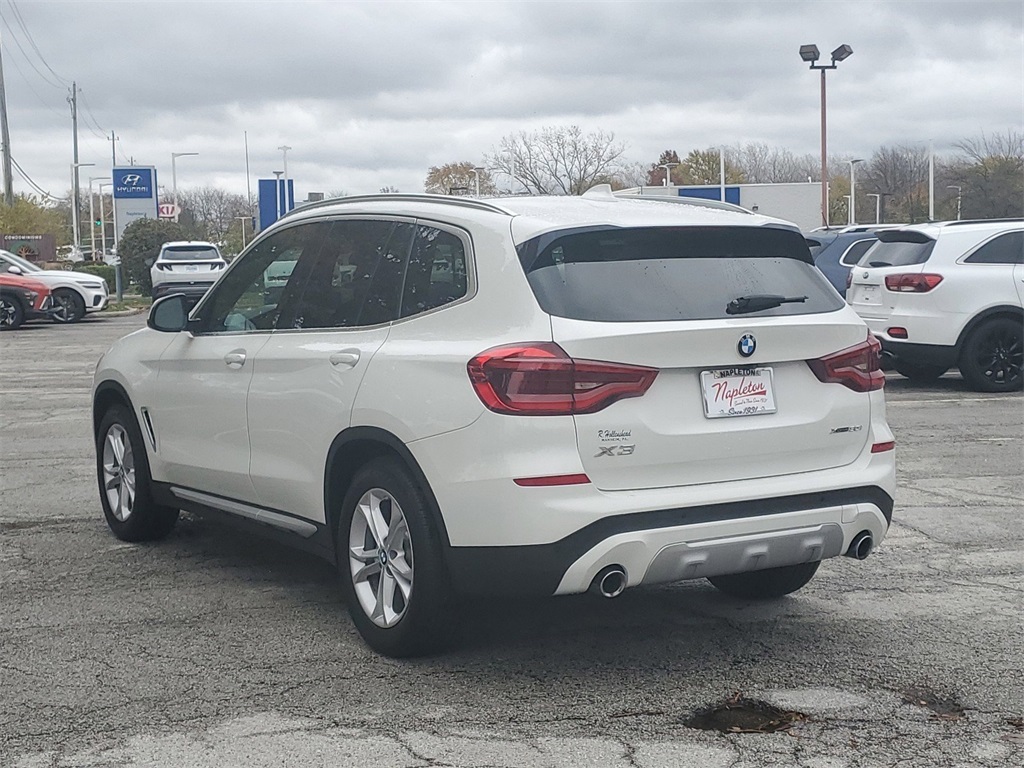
12	314
391	563
766	584
992	359
919	372
70	306
122	469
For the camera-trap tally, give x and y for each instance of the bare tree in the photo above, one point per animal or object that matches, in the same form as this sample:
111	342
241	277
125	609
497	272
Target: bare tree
558	160
703	167
764	164
900	174
211	210
452	178
990	174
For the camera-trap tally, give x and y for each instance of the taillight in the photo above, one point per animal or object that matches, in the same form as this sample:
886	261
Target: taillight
912	283
858	367
540	379
849	279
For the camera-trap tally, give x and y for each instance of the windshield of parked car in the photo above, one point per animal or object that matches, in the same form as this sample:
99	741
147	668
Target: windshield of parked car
897	248
26	266
671	273
189	253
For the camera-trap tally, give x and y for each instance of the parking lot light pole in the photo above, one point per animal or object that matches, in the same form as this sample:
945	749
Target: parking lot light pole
174	172
76	236
810	54
878	205
243	219
668	172
853	190
92	215
959	194
284	151
476	179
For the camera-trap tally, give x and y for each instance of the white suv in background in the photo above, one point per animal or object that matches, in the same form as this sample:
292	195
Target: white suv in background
531	394
186	266
74	293
946	295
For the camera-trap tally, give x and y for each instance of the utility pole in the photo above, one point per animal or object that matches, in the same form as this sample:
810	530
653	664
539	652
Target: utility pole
113	150
75	199
5	139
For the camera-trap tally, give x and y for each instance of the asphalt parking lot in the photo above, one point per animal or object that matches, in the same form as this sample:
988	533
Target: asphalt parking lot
216	649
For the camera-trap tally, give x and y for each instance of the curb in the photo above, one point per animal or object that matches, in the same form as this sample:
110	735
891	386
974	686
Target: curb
122	312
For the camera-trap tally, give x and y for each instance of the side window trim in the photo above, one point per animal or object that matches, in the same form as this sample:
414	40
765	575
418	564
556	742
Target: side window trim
850	247
469	254
966	258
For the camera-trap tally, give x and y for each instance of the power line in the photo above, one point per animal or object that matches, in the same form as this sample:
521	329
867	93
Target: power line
36	187
102	133
31	63
31	40
42	101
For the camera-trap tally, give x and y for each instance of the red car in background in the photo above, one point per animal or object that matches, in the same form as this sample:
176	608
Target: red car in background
22	299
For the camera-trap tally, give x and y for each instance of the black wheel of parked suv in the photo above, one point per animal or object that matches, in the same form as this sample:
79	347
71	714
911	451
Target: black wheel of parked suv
70	306
992	358
391	563
122	469
12	314
919	372
767	584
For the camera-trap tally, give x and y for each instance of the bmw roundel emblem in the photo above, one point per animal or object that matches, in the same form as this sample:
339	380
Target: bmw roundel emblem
747	345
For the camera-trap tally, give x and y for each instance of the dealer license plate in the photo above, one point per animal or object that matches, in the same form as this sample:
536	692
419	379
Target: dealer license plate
737	392
868	294
191	268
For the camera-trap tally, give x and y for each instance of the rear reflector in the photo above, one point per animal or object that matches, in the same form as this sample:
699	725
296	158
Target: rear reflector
533	482
912	283
540	379
883	447
897	332
859	367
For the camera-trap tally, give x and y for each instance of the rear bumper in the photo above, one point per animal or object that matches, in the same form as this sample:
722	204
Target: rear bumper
923	354
193	289
669	545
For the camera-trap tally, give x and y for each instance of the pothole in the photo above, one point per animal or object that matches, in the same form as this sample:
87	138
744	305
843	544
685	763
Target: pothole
942	707
740	715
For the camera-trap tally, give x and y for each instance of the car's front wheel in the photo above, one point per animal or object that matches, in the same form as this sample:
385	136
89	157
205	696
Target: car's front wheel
391	563
12	314
70	306
122	469
992	359
767	584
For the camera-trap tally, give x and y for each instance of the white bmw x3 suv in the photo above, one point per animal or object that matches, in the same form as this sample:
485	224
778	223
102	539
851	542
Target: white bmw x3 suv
530	394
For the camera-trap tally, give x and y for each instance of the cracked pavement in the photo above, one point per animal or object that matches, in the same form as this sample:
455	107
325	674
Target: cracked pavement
217	649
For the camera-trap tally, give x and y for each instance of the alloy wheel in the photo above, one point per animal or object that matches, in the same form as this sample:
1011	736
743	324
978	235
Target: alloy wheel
381	557
7	312
119	472
1000	356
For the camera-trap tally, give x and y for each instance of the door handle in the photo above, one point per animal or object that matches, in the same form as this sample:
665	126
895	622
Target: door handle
235	359
346	359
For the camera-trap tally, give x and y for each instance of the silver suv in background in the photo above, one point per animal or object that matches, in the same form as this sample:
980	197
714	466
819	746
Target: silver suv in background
186	266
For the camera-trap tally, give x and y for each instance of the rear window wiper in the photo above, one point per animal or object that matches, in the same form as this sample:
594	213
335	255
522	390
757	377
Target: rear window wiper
758	302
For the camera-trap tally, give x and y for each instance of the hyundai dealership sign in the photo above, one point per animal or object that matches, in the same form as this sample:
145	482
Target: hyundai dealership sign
135	196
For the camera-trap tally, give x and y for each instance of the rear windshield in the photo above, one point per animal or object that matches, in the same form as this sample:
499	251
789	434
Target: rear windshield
189	253
898	249
672	273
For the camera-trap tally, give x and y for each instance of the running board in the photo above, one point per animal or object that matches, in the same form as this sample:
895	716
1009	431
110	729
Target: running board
274	519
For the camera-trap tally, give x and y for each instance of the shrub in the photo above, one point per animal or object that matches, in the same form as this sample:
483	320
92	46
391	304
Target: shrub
141	243
104	271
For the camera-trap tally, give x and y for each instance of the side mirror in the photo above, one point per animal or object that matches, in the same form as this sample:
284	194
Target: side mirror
169	314
13	270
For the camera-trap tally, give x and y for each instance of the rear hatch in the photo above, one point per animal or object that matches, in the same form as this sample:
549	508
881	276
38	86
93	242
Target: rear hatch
900	256
189	262
734	397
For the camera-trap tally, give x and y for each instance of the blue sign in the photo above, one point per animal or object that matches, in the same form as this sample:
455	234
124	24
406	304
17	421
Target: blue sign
273	203
133	183
732	194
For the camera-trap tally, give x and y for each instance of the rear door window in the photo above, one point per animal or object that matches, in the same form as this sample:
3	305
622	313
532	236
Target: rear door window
856	251
672	273
437	274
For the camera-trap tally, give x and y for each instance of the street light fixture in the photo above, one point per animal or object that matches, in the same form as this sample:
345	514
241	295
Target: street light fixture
284	151
76	238
959	195
853	190
243	219
174	172
810	54
92	214
277	194
476	178
668	171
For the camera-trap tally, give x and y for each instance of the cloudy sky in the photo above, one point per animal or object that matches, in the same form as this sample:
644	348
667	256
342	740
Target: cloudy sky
373	93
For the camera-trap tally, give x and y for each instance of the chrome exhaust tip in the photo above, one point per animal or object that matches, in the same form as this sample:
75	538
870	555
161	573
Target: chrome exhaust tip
861	546
610	581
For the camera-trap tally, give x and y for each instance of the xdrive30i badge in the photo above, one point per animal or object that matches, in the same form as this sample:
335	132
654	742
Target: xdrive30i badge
747	345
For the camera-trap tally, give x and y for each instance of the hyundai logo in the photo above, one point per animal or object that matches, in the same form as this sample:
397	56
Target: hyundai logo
131	179
747	345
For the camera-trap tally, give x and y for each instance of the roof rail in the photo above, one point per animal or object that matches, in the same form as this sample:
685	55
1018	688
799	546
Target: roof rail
983	221
461	202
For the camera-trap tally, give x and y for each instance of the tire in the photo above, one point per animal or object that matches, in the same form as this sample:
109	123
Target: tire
993	356
768	584
12	313
400	602
125	483
72	306
919	372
